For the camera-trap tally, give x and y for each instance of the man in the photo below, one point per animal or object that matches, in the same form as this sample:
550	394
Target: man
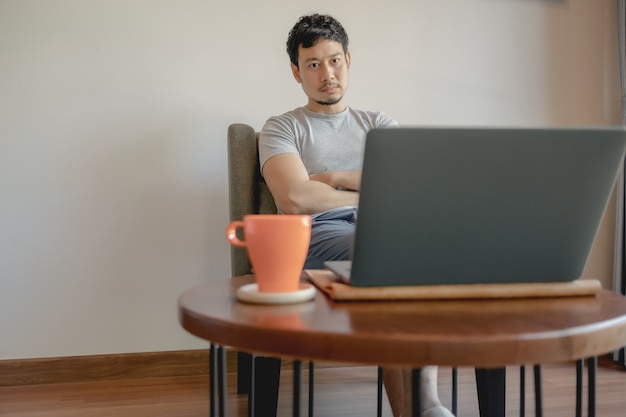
311	159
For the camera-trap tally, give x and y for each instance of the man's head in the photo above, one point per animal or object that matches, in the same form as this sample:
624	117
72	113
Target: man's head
318	50
311	29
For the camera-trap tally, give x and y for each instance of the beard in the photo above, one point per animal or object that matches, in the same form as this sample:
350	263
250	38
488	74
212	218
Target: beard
329	102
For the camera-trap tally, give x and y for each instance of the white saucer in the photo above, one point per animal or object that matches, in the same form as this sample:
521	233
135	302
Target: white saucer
250	293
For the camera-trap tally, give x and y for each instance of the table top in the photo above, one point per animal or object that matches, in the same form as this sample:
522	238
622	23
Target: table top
480	333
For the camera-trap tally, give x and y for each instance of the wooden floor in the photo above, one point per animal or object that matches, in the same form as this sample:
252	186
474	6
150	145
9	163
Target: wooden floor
339	391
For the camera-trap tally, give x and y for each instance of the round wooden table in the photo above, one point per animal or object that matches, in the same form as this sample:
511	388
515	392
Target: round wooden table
476	333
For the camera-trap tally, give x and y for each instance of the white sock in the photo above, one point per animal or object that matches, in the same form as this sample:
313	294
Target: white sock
438	411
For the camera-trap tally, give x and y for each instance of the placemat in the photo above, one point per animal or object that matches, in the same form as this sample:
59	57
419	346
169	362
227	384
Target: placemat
328	282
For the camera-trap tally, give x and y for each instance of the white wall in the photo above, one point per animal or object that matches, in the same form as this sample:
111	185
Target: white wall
113	114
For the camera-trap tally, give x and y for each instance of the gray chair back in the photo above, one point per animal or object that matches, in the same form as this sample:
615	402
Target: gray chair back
248	193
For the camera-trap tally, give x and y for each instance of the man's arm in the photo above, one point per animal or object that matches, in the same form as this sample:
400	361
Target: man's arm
347	180
296	193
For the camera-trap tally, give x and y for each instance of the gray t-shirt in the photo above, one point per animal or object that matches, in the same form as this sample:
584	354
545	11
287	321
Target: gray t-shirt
325	142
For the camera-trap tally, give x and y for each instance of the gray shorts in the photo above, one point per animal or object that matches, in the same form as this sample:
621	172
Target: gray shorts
332	236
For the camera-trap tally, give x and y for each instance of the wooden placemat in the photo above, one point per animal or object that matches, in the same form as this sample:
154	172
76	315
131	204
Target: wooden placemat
328	282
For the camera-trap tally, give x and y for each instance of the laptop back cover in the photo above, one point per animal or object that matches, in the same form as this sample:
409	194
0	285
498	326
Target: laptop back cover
473	205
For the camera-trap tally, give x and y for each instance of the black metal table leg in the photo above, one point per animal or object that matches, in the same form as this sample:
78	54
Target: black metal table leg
579	387
592	364
538	396
252	387
212	379
455	392
221	385
297	371
311	387
522	390
416	382
379	393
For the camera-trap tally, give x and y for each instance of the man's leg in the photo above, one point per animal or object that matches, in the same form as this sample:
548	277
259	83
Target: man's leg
394	386
491	389
332	237
266	382
398	387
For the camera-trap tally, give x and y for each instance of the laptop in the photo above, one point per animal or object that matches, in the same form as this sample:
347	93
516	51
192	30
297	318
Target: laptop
480	205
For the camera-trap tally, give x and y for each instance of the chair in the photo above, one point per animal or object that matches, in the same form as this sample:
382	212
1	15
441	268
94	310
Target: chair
248	194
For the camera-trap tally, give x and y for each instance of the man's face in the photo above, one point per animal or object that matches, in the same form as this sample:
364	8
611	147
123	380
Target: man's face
323	72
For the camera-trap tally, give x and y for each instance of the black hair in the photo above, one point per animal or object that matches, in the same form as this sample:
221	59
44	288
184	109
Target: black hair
311	29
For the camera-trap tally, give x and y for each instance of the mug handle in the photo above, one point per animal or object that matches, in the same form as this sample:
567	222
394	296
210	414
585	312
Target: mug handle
231	233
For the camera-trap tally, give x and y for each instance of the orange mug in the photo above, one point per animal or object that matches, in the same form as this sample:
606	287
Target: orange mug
277	246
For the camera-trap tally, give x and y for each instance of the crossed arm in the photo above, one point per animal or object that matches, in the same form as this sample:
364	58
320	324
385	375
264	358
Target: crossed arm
295	192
